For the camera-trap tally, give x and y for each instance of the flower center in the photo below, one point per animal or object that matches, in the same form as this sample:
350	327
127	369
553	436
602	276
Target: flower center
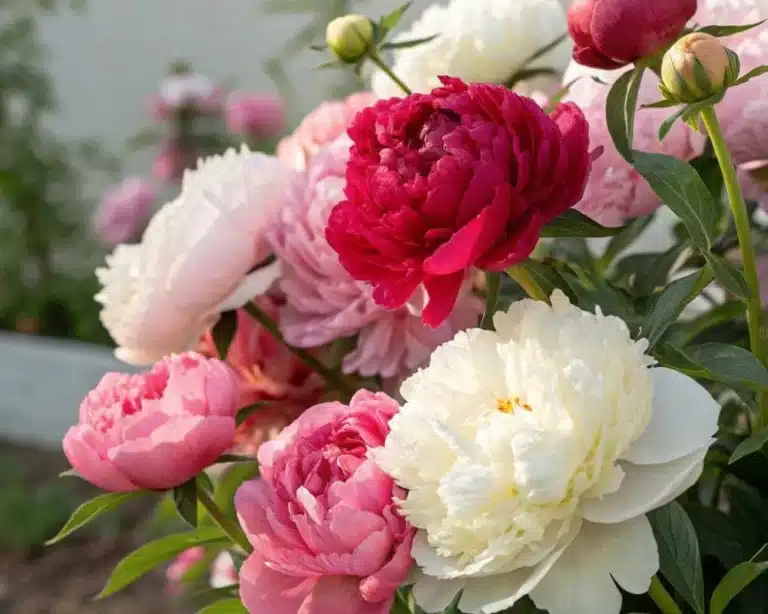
508	406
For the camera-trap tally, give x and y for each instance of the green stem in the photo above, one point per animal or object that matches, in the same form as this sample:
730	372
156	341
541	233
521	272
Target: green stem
374	57
230	527
744	233
526	281
331	376
662	598
492	287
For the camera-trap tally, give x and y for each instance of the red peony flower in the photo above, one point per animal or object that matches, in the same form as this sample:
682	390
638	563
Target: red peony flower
438	183
613	33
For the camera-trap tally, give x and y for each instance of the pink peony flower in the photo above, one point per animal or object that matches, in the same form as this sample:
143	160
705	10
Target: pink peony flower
267	372
181	566
185	90
155	430
613	33
261	117
324	302
124	211
615	192
223	571
463	177
171	161
326	532
321	127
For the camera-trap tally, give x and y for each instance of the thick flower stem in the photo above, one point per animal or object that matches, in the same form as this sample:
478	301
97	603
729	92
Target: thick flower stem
662	598
374	57
526	281
492	287
744	233
334	379
227	525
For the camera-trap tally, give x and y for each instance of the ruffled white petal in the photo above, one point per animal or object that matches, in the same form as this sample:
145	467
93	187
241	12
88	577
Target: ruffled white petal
434	595
582	579
684	420
644	488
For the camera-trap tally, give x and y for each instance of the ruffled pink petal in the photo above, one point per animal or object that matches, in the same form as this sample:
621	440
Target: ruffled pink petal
91	465
264	590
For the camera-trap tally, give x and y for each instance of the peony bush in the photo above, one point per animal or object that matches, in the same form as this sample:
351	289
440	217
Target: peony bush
417	360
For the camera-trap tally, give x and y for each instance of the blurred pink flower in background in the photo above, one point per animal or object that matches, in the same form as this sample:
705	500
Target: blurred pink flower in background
185	90
321	127
615	192
181	566
323	520
223	571
255	116
324	302
171	161
267	372
155	430
124	211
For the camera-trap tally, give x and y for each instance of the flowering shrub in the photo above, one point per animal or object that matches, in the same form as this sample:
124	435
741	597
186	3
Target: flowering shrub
351	437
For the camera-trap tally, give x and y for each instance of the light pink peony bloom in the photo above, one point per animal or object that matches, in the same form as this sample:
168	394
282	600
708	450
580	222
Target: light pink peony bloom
155	430
255	116
324	302
326	532
321	127
124	211
223	571
181	566
171	161
615	192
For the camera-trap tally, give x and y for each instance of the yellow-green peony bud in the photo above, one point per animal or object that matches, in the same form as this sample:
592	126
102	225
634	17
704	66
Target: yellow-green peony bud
349	37
697	67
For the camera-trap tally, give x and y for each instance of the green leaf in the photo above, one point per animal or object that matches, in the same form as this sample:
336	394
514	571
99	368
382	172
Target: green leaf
231	481
409	43
667	124
735	581
185	500
224	332
679	557
625	238
225	606
573	224
657	272
234	458
720	535
144	139
526	74
730	276
620	110
754	443
93	509
660	104
547	278
669	304
249	411
154	553
390	21
720	31
755	72
730	363
681	188
539	53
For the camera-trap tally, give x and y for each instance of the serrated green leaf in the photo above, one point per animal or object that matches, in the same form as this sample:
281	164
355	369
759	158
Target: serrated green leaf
185	500
389	22
223	333
573	224
735	581
225	606
755	72
624	239
680	187
730	276
620	110
150	555
668	306
679	557
720	31
730	363
91	510
415	42
752	444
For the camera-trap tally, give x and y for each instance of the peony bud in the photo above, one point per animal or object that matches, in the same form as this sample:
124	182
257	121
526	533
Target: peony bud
697	67
349	37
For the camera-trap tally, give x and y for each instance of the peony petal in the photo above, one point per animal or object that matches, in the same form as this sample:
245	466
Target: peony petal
433	594
264	590
91	465
256	284
582	580
645	487
684	420
443	292
252	500
339	594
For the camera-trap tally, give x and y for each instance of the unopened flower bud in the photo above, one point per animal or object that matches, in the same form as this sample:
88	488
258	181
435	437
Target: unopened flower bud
697	67
349	37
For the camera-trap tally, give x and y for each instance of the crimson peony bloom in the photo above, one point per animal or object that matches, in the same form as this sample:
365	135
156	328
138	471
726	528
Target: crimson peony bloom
613	33
463	177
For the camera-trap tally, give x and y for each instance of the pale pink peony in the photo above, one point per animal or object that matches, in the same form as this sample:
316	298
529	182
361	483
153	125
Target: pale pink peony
615	192
324	302
268	373
321	127
155	430
171	161
255	116
223	571
323	521
181	566
124	211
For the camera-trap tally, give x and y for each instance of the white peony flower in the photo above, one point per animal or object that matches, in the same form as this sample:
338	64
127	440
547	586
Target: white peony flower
532	454
479	41
187	88
196	259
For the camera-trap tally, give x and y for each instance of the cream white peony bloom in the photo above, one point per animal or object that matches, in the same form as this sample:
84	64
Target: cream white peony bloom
480	41
532	454
196	259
